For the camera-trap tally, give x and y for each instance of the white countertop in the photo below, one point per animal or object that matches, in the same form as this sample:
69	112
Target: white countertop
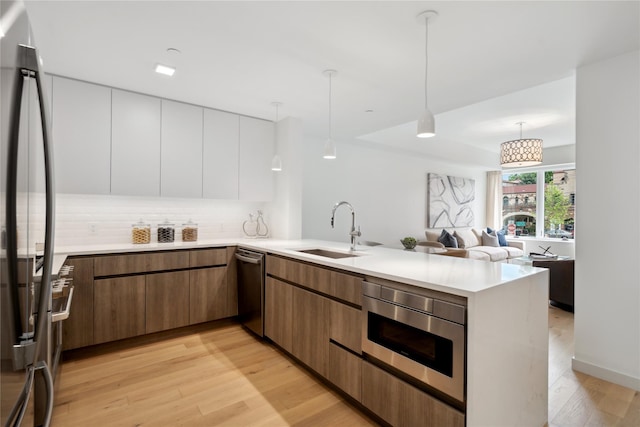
459	276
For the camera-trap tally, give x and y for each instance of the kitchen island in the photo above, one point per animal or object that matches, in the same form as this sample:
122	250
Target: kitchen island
506	325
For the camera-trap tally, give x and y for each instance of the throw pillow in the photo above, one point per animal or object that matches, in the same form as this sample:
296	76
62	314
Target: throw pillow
489	240
432	235
466	238
501	238
448	240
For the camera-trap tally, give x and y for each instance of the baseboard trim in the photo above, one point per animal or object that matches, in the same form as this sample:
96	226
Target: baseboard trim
605	374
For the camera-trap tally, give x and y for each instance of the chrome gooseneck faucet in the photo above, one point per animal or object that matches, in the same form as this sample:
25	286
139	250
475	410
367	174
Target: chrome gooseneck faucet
353	233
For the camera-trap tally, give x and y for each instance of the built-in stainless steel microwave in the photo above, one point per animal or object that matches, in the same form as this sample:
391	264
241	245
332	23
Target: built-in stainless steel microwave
420	336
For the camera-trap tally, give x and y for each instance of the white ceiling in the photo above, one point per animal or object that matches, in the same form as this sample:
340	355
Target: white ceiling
491	64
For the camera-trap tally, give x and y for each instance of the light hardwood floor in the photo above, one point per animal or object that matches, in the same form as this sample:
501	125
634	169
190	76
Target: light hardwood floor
218	374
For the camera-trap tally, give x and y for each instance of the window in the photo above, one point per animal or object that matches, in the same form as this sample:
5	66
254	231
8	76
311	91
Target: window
520	208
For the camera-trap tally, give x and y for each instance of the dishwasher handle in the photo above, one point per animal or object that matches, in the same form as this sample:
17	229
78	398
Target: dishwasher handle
248	259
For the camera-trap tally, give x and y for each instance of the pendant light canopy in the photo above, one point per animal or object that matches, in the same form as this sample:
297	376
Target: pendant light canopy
521	152
276	163
330	144
426	122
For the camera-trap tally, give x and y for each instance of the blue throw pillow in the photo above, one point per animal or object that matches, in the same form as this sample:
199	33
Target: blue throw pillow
502	240
448	240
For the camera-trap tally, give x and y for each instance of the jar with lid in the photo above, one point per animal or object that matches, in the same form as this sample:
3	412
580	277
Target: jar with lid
166	232
140	232
189	231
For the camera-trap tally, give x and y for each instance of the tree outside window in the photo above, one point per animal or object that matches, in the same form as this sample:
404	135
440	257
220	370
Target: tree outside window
556	207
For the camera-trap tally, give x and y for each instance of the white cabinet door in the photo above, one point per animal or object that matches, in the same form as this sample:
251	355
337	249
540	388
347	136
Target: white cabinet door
82	136
256	151
220	155
181	150
135	145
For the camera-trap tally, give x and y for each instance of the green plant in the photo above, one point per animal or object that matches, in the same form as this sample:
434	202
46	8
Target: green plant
409	242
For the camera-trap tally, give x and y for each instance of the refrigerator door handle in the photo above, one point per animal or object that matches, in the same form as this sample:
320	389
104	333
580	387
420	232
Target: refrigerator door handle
28	65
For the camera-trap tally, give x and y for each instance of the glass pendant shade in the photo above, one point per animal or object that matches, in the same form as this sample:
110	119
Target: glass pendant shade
426	125
329	149
276	163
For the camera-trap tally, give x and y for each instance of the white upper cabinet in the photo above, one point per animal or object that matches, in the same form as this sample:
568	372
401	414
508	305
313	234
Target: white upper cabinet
181	150
256	150
135	150
220	155
81	136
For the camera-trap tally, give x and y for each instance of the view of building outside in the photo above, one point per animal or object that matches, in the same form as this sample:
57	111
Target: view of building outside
520	197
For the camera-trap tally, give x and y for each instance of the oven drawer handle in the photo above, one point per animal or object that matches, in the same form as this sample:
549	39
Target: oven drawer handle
63	314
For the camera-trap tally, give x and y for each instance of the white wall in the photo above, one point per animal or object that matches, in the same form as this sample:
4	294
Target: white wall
388	190
287	204
607	295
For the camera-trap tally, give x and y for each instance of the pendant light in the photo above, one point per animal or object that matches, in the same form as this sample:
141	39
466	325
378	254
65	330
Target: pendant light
330	144
426	122
276	163
521	152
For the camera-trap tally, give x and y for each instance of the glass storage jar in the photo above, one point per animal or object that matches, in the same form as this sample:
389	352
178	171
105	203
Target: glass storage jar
166	232
189	231
140	232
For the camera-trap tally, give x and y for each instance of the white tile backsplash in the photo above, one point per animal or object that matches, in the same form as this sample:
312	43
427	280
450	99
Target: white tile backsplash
95	219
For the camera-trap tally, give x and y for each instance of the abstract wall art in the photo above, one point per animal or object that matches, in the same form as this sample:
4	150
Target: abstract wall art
449	201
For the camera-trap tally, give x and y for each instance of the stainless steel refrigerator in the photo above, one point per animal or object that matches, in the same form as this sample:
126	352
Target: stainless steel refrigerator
27	221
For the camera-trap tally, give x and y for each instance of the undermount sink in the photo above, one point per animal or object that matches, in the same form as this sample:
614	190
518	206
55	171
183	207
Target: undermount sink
327	253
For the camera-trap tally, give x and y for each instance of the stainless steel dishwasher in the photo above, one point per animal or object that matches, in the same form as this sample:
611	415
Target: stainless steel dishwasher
251	290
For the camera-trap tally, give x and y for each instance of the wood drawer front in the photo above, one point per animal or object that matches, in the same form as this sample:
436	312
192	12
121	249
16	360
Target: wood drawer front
207	257
345	371
381	394
172	260
112	265
316	278
306	275
346	326
283	268
347	287
401	404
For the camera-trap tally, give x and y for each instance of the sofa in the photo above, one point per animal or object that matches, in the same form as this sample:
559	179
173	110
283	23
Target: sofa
484	245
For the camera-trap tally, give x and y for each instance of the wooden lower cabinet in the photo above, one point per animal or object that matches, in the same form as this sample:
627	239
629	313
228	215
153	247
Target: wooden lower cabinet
118	308
400	404
311	317
77	330
345	371
278	309
208	295
167	301
346	326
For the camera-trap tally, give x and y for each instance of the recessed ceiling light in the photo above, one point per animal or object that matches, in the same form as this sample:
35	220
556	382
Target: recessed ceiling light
368	111
173	50
165	69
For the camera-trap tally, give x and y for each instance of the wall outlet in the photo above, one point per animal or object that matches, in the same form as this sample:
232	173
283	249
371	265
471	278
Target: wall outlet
93	228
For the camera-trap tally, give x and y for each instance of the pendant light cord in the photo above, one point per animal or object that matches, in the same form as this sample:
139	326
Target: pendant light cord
426	59
330	118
